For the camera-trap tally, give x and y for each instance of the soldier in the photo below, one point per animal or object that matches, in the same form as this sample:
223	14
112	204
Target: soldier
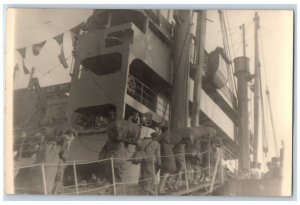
65	141
135	118
168	165
179	151
151	148
112	116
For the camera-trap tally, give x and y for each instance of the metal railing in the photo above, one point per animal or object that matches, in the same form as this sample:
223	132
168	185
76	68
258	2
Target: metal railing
42	177
147	96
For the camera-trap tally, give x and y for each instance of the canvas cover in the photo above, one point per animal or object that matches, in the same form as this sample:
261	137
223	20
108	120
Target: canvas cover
123	130
182	135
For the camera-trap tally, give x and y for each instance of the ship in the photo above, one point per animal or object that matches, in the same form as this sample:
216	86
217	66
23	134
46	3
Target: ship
152	63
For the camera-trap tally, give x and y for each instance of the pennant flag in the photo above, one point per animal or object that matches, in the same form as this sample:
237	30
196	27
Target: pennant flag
59	39
22	52
17	68
76	29
62	58
36	48
25	69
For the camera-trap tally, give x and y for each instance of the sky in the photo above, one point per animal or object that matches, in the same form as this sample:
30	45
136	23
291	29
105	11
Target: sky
27	27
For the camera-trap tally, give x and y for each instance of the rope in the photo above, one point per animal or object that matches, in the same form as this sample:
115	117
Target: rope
264	131
268	96
95	161
232	83
262	34
54	68
272	122
29	45
85	185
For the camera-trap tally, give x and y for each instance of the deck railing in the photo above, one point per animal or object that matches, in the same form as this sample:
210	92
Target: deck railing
147	97
41	177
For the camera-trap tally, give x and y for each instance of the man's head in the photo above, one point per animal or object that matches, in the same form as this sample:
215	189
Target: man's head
72	133
135	114
253	165
269	165
275	160
112	114
259	165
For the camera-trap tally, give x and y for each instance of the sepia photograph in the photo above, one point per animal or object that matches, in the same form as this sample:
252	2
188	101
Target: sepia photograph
149	102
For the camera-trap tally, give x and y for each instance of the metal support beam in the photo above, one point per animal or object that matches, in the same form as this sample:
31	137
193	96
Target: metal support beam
256	90
181	63
200	60
241	65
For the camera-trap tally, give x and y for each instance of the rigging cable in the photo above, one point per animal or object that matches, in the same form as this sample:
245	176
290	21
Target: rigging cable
54	68
232	83
272	122
269	100
264	131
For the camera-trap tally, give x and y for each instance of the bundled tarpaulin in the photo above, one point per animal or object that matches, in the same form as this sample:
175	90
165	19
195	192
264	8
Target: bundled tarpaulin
124	130
183	135
22	52
61	57
36	48
213	74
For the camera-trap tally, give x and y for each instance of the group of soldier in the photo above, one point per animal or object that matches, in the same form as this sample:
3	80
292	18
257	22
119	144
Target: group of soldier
159	158
164	167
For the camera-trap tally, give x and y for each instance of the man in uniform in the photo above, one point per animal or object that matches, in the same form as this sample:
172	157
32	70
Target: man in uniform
135	118
151	148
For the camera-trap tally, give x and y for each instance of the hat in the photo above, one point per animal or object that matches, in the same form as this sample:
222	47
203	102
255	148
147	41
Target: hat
46	130
72	130
154	134
275	159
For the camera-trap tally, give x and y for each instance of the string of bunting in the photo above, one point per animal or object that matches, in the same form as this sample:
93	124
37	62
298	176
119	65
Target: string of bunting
37	47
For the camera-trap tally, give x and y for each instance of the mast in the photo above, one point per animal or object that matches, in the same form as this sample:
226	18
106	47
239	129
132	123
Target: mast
200	58
241	67
256	89
244	39
181	64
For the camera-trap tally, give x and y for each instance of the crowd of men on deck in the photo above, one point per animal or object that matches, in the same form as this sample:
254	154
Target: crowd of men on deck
173	165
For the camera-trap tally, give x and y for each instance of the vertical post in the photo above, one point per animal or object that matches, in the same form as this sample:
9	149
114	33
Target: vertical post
154	175
113	175
200	61
256	90
241	65
181	62
30	78
75	177
208	152
142	92
44	179
109	20
186	176
146	24
215	172
244	39
221	164
22	147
